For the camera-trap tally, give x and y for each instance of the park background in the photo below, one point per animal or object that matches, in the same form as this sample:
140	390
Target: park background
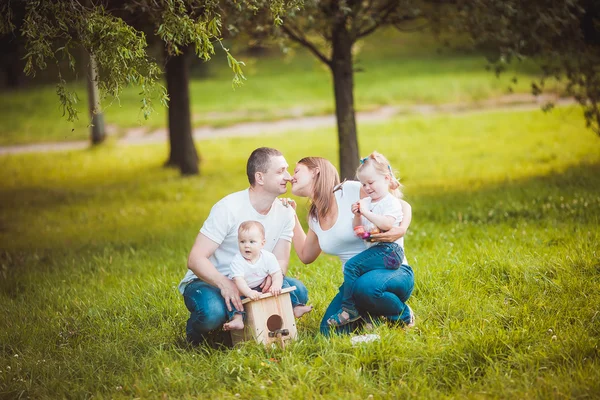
504	239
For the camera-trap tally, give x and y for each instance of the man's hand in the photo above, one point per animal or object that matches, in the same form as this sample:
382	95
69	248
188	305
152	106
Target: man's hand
266	284
231	295
390	236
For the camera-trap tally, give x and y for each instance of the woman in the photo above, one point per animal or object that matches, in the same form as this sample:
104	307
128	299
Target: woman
376	293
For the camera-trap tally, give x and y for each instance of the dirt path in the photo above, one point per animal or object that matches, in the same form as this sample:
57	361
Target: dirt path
140	136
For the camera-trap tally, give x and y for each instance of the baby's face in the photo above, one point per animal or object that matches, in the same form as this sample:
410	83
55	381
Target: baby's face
250	243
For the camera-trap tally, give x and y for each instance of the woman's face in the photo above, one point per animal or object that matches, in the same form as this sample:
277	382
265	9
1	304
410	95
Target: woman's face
302	181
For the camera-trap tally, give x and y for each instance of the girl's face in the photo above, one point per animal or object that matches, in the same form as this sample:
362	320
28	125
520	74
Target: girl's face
374	183
302	181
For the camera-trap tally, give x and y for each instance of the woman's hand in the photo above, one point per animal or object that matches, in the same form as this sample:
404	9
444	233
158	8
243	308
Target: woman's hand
287	202
390	236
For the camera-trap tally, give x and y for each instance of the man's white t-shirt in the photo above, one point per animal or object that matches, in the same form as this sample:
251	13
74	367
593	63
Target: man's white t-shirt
223	222
254	274
389	205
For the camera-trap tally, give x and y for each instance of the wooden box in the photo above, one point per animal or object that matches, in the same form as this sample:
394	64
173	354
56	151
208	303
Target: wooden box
269	319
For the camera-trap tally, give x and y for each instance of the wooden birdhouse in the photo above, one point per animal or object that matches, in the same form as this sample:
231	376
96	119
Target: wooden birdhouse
270	319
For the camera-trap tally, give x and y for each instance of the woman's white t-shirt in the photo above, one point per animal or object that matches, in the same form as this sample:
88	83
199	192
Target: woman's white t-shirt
340	240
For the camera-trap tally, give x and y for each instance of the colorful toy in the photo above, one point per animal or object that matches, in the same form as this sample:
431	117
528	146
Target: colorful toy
363	234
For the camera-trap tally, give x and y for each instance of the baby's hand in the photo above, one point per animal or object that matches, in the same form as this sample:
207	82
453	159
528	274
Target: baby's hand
355	208
254	295
362	203
275	290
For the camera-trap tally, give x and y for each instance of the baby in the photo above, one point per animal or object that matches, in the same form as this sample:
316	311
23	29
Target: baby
251	266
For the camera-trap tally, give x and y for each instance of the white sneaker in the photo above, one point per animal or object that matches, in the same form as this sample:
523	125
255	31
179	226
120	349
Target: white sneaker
370	337
412	318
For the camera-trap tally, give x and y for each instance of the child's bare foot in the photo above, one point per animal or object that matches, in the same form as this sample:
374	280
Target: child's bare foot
301	310
235	324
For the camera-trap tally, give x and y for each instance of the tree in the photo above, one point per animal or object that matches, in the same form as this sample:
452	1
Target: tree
112	32
329	29
561	36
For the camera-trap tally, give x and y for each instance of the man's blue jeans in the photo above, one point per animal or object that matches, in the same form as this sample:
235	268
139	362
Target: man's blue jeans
380	256
382	292
208	311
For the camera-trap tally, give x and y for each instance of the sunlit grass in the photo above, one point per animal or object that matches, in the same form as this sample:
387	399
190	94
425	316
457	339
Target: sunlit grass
504	244
394	69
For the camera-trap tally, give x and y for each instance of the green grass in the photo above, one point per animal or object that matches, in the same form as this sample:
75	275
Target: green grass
504	244
396	69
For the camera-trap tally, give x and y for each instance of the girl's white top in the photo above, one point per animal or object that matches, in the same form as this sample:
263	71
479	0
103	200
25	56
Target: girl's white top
390	206
340	240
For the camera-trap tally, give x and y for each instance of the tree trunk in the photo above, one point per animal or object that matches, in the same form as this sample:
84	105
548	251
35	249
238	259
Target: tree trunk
343	86
97	133
182	150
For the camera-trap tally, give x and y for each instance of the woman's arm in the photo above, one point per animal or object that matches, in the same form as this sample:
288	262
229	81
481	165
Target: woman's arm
397	231
306	245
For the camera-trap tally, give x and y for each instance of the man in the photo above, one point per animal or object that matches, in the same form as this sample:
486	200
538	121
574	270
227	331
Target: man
207	291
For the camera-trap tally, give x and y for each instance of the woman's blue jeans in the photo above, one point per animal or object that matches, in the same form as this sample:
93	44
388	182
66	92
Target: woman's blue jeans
208	311
379	256
382	292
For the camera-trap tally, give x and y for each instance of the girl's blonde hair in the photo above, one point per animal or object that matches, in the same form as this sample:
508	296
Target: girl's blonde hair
383	167
325	180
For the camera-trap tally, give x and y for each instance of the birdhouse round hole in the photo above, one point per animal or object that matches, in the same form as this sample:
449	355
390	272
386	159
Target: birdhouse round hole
274	323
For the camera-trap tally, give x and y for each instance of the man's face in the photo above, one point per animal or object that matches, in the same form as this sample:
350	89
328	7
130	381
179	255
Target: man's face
277	176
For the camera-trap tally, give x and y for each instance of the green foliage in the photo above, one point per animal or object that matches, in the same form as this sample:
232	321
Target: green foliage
398	69
53	28
563	37
503	244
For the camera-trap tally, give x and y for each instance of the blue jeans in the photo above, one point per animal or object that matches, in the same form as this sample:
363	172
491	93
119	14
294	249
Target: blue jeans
285	284
380	256
382	292
208	311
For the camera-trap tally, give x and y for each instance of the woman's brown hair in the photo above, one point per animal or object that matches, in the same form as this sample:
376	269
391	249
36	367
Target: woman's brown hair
326	178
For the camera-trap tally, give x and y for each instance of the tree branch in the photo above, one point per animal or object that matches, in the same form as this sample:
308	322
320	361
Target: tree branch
304	42
379	19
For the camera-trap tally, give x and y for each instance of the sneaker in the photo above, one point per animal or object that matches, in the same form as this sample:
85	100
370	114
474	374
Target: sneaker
412	318
371	337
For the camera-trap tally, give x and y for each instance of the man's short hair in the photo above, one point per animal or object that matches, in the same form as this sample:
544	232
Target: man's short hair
259	161
248	225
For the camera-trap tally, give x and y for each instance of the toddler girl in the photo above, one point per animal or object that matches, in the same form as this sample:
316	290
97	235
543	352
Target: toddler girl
380	211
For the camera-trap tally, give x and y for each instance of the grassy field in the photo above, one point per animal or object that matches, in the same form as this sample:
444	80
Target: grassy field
504	244
396	69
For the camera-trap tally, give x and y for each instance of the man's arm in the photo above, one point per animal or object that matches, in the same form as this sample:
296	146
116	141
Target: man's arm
199	263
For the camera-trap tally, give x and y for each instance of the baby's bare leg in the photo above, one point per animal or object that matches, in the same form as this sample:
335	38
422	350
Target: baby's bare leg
301	310
236	323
